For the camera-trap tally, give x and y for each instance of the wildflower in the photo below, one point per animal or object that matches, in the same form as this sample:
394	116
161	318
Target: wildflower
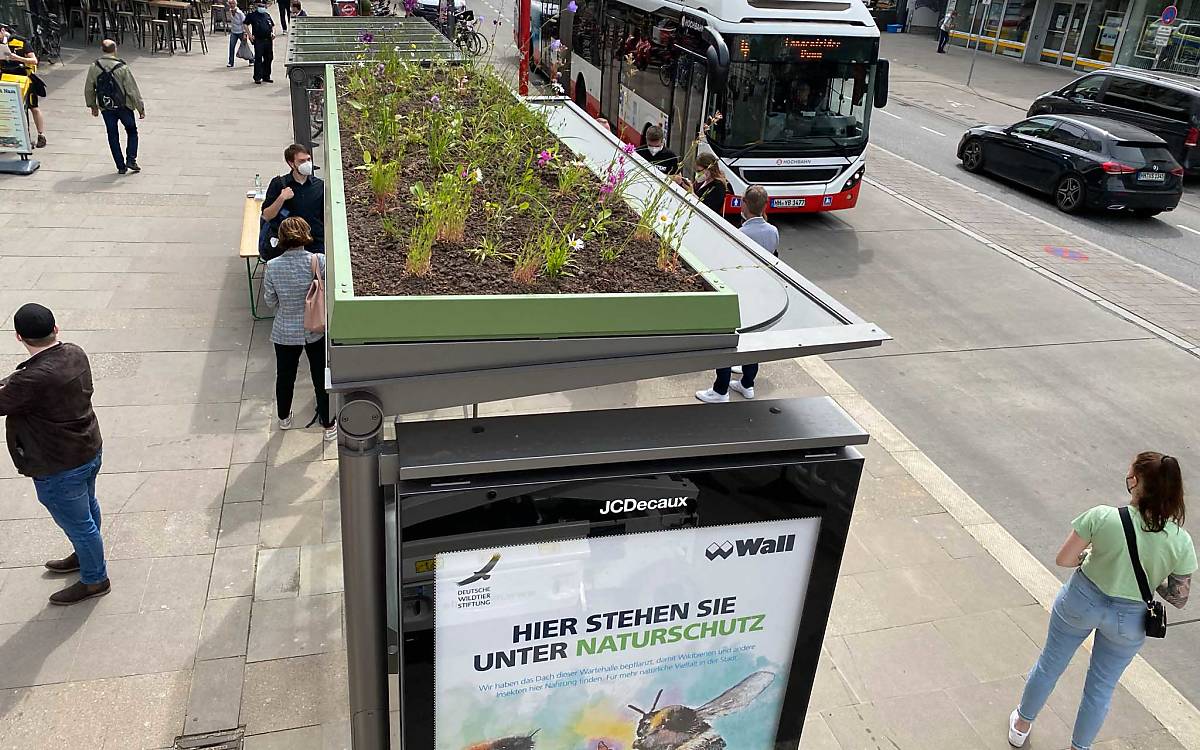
629	148
557	87
366	37
576	244
478	174
544	158
435	100
379	69
663	218
572	6
555	45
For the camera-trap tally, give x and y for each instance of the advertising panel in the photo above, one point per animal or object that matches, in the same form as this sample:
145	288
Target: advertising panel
666	640
14	132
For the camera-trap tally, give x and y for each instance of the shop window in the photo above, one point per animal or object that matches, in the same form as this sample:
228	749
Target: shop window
1103	31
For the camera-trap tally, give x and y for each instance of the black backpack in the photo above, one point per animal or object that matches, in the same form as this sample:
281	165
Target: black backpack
109	94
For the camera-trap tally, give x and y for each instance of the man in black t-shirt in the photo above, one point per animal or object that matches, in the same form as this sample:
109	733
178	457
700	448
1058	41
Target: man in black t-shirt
260	27
660	157
298	193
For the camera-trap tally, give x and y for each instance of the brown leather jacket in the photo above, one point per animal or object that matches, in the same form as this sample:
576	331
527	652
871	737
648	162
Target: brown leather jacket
48	404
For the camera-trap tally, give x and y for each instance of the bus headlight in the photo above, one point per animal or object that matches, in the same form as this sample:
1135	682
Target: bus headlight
854	179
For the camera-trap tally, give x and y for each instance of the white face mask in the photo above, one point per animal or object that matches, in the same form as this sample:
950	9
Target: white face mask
654	149
305	169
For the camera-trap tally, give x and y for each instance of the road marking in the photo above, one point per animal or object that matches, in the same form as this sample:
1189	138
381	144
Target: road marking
889	114
1193	231
931	130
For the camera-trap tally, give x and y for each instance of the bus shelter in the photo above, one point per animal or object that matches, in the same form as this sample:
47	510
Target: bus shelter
314	42
584	579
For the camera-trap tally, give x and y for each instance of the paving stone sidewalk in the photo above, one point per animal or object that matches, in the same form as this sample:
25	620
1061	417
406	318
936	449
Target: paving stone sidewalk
224	533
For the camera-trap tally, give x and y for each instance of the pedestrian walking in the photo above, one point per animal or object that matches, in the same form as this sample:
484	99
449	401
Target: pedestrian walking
17	59
285	10
112	91
1120	553
54	438
237	28
654	151
285	286
297	193
756	227
945	27
260	27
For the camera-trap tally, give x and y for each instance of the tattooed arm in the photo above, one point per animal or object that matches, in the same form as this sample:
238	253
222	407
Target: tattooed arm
1176	589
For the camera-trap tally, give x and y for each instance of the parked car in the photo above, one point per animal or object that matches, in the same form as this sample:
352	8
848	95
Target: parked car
1167	106
1084	162
429	9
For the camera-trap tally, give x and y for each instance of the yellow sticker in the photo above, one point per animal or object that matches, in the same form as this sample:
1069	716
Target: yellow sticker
425	566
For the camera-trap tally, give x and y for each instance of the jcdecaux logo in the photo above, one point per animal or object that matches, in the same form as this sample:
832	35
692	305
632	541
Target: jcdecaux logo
631	504
759	545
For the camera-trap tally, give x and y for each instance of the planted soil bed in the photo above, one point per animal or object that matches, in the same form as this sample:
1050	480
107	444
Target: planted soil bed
508	167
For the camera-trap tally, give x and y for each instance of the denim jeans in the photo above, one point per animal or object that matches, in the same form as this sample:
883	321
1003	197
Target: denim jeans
233	45
1120	626
125	116
725	374
70	496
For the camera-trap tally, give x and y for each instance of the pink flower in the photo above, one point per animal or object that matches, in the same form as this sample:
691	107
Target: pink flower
629	148
544	158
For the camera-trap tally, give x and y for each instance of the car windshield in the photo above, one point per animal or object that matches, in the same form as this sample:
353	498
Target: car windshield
1141	153
797	90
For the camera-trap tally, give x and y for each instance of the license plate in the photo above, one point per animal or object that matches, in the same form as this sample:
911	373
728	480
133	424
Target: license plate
1152	177
787	203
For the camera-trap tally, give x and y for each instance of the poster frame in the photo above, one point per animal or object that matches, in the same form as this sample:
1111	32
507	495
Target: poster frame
25	147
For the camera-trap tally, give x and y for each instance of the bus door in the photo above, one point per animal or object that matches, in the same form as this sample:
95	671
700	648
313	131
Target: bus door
688	78
612	59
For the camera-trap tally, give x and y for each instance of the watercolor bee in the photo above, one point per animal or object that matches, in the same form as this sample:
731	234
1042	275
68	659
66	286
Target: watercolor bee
519	742
683	728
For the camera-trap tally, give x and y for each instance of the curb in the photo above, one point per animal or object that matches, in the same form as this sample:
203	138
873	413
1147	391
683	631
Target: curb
1158	696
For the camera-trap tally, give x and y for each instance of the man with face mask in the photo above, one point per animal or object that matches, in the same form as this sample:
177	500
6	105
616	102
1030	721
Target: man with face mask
260	29
297	193
654	151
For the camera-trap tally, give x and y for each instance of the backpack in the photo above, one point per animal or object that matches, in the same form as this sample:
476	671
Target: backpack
109	94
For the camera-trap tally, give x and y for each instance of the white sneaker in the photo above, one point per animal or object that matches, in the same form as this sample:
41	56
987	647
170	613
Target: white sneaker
331	432
1016	738
737	386
737	369
712	397
286	424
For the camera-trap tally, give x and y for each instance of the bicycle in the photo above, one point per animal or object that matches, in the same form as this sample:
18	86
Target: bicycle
468	39
46	38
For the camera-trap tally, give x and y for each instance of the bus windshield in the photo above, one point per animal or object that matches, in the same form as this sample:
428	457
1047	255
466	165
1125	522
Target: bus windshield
797	92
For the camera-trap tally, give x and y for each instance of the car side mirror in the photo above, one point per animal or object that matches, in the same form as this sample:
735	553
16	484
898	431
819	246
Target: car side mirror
881	83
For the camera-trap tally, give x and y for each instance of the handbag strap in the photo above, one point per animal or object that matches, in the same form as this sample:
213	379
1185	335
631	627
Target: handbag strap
315	265
1131	542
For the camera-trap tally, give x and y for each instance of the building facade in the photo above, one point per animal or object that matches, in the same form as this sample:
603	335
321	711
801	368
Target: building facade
1084	34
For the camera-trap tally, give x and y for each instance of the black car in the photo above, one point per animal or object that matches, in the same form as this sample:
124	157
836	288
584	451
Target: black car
1165	105
1084	162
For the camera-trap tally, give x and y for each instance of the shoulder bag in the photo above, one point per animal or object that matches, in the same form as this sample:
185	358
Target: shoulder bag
1156	613
314	301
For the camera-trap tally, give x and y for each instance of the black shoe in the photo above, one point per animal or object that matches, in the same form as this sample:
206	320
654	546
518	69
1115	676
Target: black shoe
41	141
257	82
267	80
133	166
79	591
68	564
122	170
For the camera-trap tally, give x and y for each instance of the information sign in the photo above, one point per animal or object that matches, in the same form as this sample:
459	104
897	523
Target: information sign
1162	36
14	130
670	639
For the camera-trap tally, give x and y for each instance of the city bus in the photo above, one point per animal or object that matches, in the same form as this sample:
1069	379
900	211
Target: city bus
793	80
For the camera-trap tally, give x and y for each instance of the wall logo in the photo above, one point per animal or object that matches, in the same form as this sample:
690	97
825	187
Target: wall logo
631	504
750	547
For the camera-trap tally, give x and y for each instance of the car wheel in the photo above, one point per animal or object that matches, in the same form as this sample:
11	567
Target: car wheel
1146	213
1069	194
972	155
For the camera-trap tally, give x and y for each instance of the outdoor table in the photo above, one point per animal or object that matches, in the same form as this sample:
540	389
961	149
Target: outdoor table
248	249
173	11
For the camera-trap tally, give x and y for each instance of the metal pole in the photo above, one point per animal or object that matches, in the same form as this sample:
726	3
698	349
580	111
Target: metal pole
523	34
971	32
301	113
360	424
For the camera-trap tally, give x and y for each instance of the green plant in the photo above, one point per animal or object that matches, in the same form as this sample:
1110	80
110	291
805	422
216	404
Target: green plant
450	204
420	248
382	177
672	229
558	253
391	228
526	264
488	249
571	177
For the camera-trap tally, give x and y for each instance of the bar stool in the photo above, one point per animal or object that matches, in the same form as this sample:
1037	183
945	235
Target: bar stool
197	25
93	20
219	19
75	11
127	21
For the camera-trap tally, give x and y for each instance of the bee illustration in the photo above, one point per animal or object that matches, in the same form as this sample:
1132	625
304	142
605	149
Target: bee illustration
519	742
683	728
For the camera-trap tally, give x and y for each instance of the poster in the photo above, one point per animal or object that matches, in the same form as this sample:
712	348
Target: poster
669	640
14	132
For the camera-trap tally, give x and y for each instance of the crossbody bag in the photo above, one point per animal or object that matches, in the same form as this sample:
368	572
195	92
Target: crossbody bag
1156	613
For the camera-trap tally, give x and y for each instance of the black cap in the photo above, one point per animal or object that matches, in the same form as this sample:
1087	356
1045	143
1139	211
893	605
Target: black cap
33	321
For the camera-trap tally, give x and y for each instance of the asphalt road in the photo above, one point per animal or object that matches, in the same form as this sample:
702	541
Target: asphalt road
1169	243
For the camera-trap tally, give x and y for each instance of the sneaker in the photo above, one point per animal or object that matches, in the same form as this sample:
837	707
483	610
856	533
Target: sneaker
68	564
122	170
286	424
331	432
133	165
712	397
1017	738
41	141
79	591
737	369
737	386
257	82
267	80
230	65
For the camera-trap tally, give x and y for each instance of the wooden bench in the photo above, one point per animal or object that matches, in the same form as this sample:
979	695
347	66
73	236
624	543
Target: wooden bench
248	250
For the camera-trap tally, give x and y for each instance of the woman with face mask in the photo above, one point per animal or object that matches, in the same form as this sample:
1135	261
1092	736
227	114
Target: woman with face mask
710	186
1105	595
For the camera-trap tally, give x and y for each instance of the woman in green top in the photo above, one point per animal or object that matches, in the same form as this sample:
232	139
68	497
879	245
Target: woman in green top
1103	595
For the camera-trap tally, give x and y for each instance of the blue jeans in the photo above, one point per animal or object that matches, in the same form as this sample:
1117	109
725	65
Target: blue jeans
233	44
70	496
725	374
125	116
1120	626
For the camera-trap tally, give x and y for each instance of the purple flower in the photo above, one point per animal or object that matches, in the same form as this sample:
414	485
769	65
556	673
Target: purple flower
410	6
572	6
435	100
544	158
366	37
555	45
629	148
